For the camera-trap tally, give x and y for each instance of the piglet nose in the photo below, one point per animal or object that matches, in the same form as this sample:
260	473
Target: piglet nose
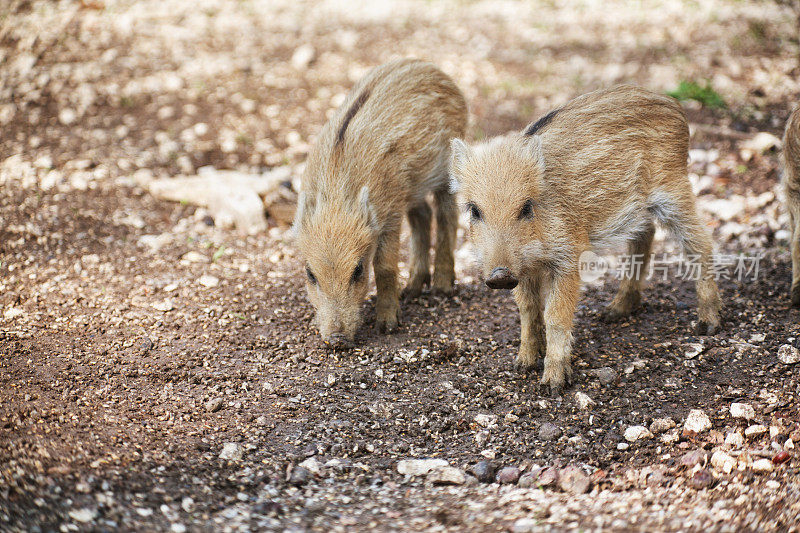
501	278
337	341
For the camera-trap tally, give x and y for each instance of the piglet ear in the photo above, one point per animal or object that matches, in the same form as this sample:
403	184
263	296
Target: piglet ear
366	208
459	155
305	208
532	148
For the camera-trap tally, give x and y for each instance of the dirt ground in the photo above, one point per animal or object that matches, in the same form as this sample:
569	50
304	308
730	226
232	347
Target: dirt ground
161	372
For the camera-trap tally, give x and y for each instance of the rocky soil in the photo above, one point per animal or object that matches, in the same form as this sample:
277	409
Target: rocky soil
158	364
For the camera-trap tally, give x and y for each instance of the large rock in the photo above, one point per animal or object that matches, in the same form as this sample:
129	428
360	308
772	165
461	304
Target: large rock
233	198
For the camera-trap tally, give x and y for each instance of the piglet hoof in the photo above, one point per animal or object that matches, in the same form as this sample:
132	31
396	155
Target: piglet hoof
795	295
706	328
525	367
387	324
415	286
612	314
443	285
529	362
556	378
411	292
443	291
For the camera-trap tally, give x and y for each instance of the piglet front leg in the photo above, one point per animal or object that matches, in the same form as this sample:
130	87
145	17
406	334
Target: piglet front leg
559	312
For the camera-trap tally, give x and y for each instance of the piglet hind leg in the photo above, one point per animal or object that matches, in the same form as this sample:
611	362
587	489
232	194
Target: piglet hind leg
532	344
446	226
679	214
559	312
387	303
419	219
629	296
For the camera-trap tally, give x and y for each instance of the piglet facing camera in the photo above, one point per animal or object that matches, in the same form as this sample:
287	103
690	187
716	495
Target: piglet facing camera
593	174
376	161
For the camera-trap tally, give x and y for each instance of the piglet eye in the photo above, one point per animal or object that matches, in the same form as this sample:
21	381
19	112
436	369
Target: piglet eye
474	212
527	210
311	277
358	272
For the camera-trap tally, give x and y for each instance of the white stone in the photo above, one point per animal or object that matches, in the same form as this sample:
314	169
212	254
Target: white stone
83	515
763	465
742	410
525	525
634	433
734	439
419	467
692	349
697	421
312	465
11	313
486	420
303	56
164	306
762	142
232	198
67	116
231	451
788	354
722	461
447	475
756	430
194	257
583	400
209	281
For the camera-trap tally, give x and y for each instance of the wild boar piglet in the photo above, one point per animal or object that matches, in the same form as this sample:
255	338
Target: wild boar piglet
593	174
791	193
377	159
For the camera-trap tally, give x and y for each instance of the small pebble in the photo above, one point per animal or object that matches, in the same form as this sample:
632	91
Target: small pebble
756	430
299	476
742	410
508	475
634	433
781	457
484	471
763	465
231	451
574	480
660	425
447	475
548	477
606	375
213	405
788	354
702	479
549	431
696	422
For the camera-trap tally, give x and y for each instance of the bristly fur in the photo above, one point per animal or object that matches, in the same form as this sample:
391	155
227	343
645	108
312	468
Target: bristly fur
791	192
598	173
351	113
541	123
377	159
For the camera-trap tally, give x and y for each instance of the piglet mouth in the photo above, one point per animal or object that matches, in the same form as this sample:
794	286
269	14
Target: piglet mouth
501	278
